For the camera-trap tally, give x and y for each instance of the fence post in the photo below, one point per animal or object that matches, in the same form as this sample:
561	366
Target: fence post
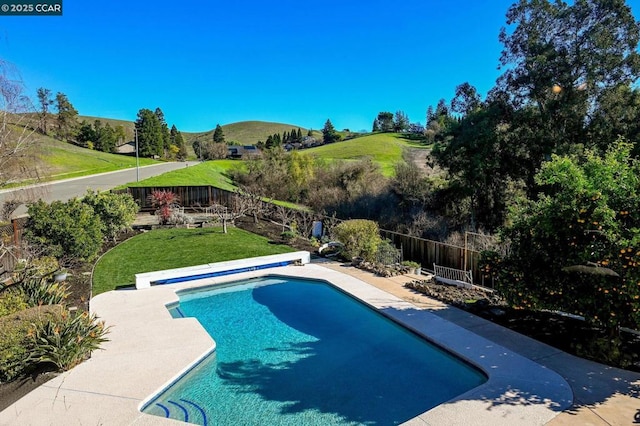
14	222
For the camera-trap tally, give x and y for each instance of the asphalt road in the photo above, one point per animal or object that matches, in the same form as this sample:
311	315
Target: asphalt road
66	189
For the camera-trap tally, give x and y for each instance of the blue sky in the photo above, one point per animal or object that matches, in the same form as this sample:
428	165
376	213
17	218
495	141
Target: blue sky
297	62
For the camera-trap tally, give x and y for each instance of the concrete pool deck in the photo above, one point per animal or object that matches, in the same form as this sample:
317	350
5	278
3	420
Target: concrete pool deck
148	349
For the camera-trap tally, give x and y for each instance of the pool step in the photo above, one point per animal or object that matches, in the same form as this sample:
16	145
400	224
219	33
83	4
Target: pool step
184	410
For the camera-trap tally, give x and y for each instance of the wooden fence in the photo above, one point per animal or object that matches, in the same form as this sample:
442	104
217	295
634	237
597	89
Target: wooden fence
428	252
188	196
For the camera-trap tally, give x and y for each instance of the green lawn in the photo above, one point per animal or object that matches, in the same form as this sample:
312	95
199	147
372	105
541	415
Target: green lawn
212	173
175	248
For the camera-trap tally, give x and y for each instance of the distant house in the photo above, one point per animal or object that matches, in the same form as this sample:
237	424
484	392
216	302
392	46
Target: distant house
309	141
128	148
243	152
291	146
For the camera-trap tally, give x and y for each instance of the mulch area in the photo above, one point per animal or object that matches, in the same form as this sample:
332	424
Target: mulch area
568	334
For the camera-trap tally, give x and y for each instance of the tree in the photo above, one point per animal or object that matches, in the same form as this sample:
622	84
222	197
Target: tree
376	126
400	122
479	158
178	141
164	130
86	134
360	238
117	212
66	117
560	61
576	247
19	161
68	230
149	130
44	98
105	137
385	121
329	133
218	135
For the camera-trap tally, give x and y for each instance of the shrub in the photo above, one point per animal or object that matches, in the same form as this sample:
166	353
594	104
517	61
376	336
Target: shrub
12	300
179	218
15	339
116	211
69	230
288	236
68	341
164	201
360	238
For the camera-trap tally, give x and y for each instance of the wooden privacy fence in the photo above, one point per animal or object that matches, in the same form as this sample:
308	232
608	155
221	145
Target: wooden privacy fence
188	196
428	252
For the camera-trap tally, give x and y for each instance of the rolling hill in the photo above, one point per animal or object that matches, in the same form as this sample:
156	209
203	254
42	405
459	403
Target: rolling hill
383	148
246	132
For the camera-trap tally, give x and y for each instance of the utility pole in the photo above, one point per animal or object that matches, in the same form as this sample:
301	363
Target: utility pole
135	130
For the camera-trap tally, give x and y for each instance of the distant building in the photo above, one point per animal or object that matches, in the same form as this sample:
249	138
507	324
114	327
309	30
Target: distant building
128	148
243	152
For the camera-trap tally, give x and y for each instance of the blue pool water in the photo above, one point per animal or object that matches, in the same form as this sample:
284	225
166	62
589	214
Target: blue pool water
300	352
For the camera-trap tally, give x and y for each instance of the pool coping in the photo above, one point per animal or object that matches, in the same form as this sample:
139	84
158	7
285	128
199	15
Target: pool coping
148	350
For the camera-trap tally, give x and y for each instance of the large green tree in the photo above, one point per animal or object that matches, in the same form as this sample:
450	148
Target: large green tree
218	135
560	62
385	121
329	133
150	134
479	158
164	130
66	118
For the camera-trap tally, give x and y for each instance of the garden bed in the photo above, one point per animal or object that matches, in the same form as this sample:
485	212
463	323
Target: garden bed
566	333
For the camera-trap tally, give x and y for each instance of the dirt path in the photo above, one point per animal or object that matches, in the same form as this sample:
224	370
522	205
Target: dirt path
418	156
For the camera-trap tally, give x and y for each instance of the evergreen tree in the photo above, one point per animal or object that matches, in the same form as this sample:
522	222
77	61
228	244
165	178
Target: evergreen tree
150	137
218	135
44	98
329	134
299	135
178	141
400	122
66	118
86	134
164	129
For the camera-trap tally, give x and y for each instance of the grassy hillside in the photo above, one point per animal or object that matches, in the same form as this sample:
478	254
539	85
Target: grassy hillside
212	173
383	148
246	132
60	160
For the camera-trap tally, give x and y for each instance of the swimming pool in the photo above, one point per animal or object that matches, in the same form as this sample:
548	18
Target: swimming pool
296	351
